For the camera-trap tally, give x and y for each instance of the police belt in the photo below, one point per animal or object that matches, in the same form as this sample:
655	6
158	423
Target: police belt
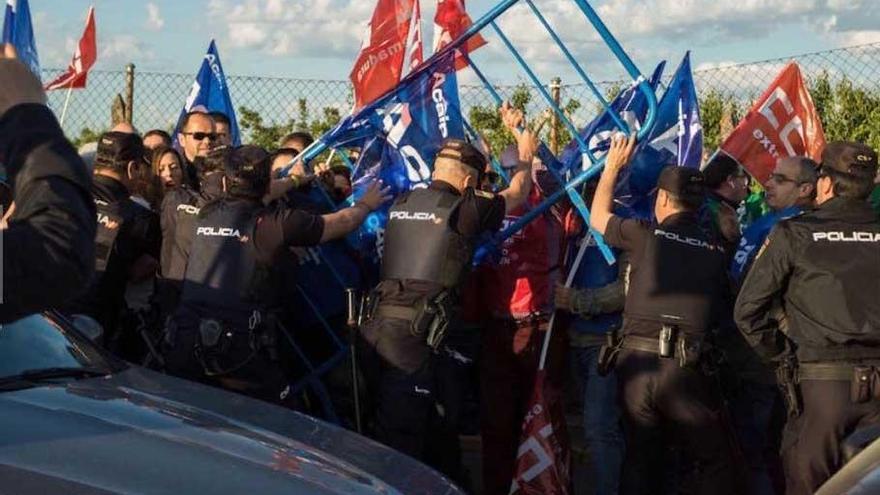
829	371
644	344
398	312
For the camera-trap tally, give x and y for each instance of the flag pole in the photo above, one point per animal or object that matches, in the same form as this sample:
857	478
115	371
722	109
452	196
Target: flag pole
66	102
568	281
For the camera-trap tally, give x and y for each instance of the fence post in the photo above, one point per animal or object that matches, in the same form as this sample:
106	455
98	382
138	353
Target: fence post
556	93
129	93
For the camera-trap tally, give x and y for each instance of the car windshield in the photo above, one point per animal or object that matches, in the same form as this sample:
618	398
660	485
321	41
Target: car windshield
38	343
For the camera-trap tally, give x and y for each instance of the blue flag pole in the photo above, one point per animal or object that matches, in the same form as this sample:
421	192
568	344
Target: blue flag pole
577	67
573	195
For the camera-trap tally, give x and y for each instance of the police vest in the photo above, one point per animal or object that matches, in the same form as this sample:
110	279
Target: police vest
111	219
592	273
223	277
522	282
420	243
186	215
679	277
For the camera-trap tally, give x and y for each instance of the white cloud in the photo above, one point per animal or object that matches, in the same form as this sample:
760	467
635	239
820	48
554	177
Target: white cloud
327	28
154	22
117	50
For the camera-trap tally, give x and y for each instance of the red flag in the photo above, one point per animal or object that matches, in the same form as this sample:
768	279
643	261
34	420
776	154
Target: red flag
543	463
782	123
380	63
83	59
416	51
450	22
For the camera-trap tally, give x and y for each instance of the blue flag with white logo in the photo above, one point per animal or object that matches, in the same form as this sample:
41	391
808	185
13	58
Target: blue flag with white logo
210	91
630	105
675	139
400	134
19	32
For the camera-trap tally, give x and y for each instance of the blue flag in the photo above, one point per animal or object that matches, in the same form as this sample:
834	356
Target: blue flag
18	31
400	134
210	91
675	139
630	105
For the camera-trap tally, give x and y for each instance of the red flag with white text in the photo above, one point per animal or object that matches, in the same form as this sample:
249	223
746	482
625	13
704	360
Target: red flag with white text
543	462
83	59
380	64
450	21
782	123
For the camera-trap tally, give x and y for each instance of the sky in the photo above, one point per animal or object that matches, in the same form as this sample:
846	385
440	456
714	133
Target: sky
319	39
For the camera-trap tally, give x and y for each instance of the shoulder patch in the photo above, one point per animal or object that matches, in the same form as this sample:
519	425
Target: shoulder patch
483	194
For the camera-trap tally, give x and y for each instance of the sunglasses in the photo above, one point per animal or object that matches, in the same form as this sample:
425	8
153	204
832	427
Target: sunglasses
201	136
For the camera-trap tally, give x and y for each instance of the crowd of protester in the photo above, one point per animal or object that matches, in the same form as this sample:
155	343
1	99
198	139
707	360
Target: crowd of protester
172	292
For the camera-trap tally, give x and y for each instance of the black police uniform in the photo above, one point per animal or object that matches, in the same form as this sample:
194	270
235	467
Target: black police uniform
223	331
126	232
48	248
179	210
824	268
428	245
677	283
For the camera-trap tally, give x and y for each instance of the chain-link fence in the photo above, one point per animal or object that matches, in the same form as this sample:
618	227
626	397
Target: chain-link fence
158	97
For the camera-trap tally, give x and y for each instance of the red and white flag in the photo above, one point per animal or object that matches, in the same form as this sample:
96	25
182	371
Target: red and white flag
782	123
450	21
83	59
416	51
543	462
380	63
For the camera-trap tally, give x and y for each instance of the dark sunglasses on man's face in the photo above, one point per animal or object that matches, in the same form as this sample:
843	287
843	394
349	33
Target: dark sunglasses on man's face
201	136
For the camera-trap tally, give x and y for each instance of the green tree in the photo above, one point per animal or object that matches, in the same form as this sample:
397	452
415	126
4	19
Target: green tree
260	133
714	107
86	135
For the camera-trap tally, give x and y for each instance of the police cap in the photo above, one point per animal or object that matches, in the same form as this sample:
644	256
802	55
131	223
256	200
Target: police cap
116	149
850	158
682	181
246	169
464	153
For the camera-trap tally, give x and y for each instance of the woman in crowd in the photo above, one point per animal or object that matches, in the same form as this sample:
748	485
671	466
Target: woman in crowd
166	166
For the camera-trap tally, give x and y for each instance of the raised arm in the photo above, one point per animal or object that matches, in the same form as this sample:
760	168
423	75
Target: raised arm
341	223
521	180
603	201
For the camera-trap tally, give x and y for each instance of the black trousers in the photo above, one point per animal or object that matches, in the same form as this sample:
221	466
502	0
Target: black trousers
665	405
416	412
811	443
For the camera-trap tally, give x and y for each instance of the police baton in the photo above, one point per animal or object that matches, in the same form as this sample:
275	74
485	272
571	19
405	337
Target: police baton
353	313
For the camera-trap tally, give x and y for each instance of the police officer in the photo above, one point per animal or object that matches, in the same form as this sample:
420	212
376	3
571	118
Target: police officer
128	236
822	268
224	331
49	238
677	282
179	209
756	409
428	244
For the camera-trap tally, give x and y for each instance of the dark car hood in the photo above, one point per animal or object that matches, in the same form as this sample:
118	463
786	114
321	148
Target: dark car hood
142	432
